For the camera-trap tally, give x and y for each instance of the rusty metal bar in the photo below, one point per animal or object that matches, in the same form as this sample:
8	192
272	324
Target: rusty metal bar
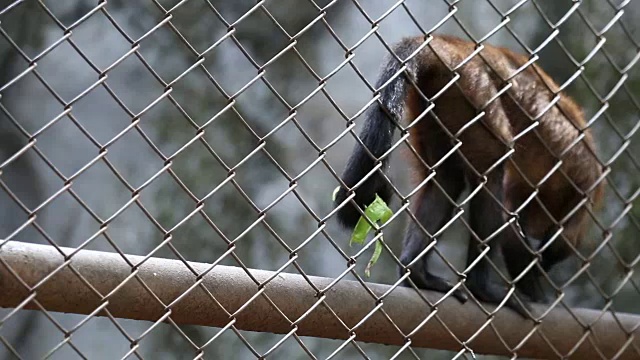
232	288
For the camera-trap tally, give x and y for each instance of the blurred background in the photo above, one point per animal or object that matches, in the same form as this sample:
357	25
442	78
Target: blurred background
70	81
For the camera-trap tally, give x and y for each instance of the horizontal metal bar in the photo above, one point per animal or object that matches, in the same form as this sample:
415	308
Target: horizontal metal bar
292	294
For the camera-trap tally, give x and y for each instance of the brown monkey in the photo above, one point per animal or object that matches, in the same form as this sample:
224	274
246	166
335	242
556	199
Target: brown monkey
511	142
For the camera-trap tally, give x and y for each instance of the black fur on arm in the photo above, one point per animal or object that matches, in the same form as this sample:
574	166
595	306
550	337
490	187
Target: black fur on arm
377	136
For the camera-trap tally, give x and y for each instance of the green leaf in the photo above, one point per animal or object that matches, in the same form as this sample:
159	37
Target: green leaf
374	258
360	232
335	192
386	215
373	212
377	211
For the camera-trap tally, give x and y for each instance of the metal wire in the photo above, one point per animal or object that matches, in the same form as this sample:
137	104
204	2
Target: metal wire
218	131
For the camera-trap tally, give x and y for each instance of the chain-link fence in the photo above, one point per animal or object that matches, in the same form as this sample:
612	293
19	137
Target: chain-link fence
167	171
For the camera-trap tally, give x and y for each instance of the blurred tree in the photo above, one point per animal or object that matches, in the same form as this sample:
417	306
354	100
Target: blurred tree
23	178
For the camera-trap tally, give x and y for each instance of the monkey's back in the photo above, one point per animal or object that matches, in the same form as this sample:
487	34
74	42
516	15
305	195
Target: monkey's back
554	150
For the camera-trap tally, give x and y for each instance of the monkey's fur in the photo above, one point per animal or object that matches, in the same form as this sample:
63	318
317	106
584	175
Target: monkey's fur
560	135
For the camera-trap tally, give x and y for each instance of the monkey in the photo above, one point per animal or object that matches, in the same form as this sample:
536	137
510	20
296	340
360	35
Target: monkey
494	122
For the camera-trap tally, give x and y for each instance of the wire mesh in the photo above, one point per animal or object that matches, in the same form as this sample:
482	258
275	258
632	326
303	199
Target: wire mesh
215	132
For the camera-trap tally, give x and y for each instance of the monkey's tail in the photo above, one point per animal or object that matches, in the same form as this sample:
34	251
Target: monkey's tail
377	134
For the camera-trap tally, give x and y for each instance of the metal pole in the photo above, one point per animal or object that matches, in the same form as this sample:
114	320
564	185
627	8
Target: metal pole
348	301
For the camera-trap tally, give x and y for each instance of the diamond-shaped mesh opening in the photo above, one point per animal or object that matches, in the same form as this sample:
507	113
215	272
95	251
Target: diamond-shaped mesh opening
167	169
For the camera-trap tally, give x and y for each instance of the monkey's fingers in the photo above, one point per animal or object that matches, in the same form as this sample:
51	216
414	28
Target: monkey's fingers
427	281
531	287
521	308
460	295
495	294
536	296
